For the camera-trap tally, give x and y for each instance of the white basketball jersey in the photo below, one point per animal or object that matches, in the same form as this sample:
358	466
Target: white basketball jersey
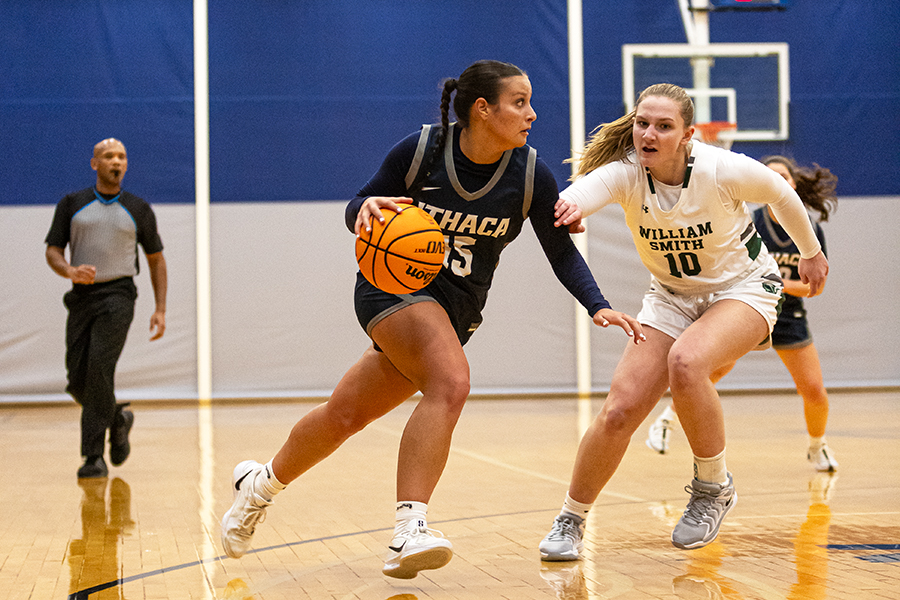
706	240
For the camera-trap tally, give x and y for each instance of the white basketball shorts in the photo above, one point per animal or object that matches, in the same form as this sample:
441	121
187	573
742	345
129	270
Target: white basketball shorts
672	313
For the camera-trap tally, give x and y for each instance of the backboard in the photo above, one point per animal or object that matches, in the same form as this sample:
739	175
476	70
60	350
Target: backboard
747	84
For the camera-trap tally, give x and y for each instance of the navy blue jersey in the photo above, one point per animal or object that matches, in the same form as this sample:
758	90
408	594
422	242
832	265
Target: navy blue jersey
105	231
786	254
481	209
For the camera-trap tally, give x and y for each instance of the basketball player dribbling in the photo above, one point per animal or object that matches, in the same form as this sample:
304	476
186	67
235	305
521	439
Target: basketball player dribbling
480	181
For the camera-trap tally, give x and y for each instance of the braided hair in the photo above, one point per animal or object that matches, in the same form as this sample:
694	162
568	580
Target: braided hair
482	79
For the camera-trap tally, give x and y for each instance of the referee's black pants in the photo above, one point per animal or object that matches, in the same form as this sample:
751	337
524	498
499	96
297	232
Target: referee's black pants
99	318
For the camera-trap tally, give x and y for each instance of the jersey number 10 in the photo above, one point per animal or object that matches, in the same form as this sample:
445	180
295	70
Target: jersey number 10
689	264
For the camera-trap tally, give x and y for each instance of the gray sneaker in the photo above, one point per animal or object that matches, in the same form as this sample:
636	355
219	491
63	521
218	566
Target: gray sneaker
709	503
249	508
564	542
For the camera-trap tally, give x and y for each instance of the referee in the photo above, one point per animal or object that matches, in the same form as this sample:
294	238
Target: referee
102	225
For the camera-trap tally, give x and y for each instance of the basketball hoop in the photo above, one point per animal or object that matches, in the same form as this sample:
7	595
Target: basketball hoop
712	133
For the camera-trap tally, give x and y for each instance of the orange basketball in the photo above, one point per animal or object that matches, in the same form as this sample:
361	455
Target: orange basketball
404	253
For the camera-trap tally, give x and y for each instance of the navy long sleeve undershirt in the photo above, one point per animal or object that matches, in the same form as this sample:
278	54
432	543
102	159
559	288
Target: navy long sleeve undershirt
566	261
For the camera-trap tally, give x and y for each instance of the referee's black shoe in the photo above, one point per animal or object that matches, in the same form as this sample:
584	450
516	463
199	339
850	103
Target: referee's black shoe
119	446
94	467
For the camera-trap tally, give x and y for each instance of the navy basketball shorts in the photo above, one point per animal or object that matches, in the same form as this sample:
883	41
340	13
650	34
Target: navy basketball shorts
791	330
373	305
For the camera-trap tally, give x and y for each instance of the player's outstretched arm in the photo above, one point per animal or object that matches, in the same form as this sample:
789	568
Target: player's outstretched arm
567	212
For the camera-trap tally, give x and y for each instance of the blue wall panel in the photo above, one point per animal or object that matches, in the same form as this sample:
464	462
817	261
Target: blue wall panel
73	73
845	86
306	98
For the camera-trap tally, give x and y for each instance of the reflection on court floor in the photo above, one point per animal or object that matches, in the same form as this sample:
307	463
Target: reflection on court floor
150	531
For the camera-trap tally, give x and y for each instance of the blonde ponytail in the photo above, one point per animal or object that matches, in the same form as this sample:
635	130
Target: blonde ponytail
608	143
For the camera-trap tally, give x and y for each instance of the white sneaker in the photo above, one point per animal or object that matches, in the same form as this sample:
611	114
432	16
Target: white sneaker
416	548
565	540
248	509
658	436
822	458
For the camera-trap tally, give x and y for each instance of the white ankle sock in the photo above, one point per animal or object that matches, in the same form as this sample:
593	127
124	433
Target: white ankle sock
408	510
816	442
575	508
266	484
711	470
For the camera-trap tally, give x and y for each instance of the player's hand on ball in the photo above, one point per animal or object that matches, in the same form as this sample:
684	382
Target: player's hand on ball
372	208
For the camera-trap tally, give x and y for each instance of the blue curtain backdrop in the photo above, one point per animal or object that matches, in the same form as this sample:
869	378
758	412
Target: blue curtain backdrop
73	73
306	98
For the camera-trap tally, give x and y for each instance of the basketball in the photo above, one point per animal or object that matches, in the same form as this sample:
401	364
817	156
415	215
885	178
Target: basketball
404	253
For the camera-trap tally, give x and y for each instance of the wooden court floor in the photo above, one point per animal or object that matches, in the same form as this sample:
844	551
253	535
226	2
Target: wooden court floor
150	531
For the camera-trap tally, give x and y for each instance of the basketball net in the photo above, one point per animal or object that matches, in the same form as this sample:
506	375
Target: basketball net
711	133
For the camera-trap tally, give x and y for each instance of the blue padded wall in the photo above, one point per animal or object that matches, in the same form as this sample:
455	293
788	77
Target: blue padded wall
306	98
73	73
